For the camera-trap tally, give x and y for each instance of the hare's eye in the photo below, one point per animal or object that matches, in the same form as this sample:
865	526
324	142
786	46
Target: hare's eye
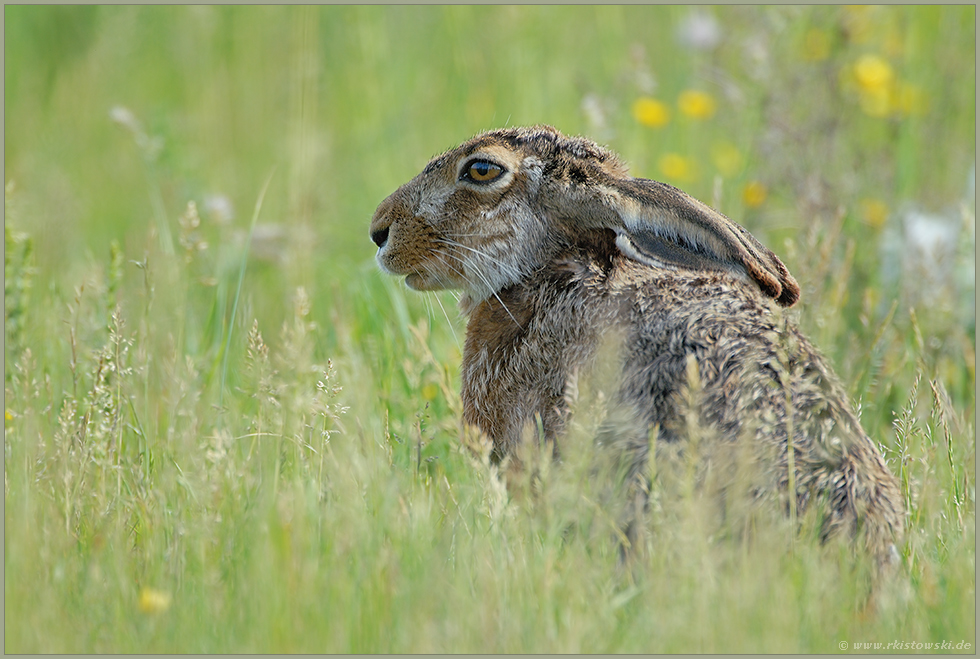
482	171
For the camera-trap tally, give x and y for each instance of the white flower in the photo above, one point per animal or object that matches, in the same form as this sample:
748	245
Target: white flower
699	30
595	113
125	117
931	256
219	208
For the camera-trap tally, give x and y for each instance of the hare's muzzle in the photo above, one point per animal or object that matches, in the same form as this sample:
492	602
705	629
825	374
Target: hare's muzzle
401	246
411	245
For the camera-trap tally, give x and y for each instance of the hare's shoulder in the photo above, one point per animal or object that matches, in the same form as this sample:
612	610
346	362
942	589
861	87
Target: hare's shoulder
588	290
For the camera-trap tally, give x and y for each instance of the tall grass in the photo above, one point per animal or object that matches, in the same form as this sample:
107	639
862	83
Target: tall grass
227	435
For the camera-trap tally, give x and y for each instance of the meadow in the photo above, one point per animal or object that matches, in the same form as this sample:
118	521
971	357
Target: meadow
226	431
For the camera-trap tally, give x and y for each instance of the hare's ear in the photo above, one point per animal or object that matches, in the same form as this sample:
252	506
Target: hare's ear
660	224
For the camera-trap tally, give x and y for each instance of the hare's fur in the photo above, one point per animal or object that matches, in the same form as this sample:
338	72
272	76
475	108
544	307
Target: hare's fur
563	249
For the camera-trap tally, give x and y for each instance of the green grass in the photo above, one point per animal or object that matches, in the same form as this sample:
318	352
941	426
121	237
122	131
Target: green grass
223	436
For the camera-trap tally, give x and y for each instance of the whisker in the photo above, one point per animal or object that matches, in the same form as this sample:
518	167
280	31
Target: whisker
486	281
462	275
476	235
428	308
506	309
451	328
511	270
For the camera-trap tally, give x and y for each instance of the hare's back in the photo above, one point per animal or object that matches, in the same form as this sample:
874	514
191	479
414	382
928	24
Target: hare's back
741	355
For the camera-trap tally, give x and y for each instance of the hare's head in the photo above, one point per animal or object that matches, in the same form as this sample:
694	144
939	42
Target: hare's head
488	213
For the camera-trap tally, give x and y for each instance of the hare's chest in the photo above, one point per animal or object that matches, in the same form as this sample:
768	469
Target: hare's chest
517	363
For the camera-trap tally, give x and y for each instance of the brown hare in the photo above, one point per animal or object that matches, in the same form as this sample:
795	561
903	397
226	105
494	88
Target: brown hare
555	246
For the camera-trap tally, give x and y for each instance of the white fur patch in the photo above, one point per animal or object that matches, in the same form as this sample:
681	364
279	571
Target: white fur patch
627	247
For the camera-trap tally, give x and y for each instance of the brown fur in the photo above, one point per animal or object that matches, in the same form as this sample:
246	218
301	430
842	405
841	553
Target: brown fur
565	249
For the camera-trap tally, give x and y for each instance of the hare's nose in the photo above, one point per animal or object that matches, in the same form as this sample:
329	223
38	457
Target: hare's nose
380	236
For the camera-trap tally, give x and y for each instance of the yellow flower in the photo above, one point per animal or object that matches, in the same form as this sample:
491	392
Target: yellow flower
7	416
873	73
696	104
726	158
876	102
816	45
879	92
152	601
754	194
651	112
677	167
874	212
430	391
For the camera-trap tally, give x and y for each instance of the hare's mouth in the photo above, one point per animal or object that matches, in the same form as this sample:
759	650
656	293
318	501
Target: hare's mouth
418	282
417	276
427	274
429	282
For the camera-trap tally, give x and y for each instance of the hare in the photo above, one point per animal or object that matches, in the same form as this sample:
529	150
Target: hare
555	246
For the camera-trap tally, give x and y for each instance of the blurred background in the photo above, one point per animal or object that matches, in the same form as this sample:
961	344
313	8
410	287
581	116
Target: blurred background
781	115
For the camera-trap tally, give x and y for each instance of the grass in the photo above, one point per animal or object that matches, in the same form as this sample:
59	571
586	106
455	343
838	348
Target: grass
227	435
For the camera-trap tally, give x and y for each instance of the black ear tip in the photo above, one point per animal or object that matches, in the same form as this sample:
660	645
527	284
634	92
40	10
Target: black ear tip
788	297
790	292
774	280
